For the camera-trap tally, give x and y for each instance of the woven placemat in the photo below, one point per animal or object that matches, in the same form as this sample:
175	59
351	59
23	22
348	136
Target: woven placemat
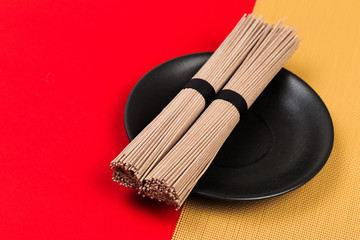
327	207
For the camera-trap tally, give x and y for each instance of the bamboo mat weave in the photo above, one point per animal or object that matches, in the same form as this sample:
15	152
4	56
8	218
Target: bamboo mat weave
327	207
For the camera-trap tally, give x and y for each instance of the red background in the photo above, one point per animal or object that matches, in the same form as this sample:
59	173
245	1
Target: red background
66	69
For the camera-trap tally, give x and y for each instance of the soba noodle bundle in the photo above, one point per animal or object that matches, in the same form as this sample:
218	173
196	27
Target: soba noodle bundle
178	172
142	154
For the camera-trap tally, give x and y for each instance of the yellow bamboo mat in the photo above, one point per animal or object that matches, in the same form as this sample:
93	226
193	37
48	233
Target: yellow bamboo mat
327	207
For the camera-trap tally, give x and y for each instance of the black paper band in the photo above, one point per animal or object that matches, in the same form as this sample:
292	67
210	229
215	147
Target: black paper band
234	98
203	87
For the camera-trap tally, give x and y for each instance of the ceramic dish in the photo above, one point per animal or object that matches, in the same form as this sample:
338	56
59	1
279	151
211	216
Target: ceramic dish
281	143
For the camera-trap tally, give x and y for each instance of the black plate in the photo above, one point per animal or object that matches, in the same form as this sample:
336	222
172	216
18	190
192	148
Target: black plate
281	143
